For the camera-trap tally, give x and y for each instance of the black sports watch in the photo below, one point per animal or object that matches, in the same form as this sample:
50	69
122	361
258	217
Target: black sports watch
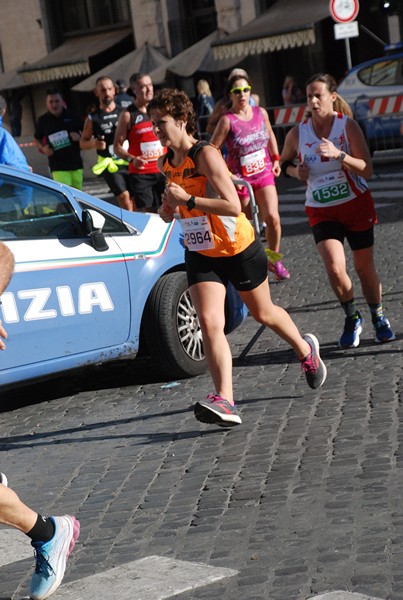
191	203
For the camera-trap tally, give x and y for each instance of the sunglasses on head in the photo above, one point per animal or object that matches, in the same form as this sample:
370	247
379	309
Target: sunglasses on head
239	90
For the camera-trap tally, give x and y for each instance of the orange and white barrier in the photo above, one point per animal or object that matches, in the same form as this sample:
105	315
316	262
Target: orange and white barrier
289	115
385	106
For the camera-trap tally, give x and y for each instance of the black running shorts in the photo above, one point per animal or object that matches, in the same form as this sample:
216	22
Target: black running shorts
246	270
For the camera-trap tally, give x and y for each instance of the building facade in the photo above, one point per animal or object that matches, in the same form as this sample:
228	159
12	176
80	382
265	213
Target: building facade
45	43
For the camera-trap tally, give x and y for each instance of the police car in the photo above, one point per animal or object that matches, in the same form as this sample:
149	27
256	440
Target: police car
374	90
93	283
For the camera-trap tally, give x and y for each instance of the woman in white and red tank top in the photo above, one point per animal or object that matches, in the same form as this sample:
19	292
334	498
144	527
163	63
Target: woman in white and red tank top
334	160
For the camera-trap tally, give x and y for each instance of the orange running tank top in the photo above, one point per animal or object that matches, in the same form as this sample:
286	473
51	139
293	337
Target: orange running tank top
230	235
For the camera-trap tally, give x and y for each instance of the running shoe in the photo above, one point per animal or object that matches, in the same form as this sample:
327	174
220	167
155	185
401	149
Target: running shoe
278	269
51	557
312	365
350	337
217	411
3	479
383	332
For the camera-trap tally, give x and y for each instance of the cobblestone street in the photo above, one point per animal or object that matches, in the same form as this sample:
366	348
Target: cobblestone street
303	499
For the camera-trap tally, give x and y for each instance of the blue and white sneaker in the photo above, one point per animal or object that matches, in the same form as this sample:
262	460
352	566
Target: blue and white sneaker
51	557
350	337
3	479
383	332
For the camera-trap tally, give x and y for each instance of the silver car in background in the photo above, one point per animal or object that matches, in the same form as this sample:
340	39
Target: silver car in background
374	90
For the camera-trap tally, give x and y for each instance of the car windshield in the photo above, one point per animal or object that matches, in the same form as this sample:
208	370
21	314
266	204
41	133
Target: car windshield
382	73
29	210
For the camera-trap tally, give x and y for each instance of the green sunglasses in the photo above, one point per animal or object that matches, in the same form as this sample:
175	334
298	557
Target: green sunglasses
239	90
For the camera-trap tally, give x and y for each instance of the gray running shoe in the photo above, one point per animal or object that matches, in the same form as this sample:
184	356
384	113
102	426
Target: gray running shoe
217	411
312	365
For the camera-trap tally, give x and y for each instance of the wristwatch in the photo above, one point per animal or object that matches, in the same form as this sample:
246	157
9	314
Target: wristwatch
191	203
341	157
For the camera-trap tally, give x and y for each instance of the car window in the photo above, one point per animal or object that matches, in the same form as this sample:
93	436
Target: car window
386	72
28	210
113	225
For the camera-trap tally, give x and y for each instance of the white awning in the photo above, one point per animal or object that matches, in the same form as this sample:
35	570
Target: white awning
72	58
199	57
142	60
287	24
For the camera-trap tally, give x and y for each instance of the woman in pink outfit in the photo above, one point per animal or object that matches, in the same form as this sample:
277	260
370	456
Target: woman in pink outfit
253	156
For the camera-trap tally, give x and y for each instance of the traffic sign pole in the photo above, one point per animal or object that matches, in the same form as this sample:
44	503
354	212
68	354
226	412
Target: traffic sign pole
348	53
344	11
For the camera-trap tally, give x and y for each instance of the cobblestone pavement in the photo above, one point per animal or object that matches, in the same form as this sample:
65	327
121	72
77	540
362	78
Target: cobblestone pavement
304	498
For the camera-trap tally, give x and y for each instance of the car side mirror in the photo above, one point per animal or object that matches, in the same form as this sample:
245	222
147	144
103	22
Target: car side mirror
93	223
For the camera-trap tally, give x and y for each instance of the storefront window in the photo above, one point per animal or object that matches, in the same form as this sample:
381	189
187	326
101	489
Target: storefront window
82	16
200	19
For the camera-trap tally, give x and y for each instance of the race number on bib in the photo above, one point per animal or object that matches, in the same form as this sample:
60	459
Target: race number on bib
197	233
331	188
253	163
151	150
59	140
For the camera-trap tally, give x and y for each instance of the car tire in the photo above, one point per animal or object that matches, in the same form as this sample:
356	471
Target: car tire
170	329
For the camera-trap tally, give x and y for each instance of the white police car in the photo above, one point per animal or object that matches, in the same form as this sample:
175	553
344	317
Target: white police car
374	90
93	283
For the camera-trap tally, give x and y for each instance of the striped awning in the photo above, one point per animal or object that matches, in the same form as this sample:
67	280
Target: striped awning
72	58
287	24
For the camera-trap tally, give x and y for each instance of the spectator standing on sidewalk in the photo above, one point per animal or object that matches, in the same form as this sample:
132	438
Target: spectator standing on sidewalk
290	92
122	98
220	248
134	125
57	136
334	160
252	155
204	106
98	133
10	152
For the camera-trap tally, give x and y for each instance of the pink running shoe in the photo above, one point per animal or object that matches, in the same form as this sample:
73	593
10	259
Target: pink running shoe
278	269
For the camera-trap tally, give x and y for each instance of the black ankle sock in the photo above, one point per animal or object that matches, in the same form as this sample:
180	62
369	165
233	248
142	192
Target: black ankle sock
43	530
376	311
349	308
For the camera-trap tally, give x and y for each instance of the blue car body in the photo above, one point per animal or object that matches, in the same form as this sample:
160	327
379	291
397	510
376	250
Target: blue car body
79	293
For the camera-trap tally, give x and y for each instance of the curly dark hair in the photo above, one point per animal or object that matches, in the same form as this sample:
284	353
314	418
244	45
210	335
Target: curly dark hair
177	104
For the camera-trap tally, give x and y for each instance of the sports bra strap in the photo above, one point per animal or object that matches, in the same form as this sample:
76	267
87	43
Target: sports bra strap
191	153
195	149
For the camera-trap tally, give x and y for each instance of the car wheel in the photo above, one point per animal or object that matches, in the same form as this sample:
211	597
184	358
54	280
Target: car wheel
170	329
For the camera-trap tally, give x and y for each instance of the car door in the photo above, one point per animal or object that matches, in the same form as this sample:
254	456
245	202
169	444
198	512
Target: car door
67	302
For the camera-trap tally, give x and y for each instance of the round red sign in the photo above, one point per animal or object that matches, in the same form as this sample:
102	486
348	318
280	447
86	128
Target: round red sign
344	11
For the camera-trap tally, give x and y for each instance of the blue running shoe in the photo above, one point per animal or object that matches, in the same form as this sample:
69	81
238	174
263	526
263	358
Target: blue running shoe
383	332
352	329
51	557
